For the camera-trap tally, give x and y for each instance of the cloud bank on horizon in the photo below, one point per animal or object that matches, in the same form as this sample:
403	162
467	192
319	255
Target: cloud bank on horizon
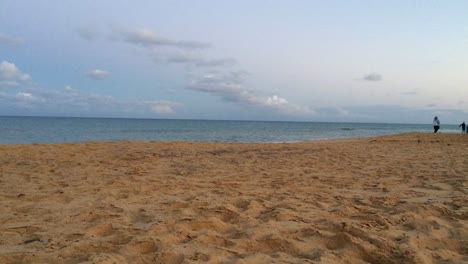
137	61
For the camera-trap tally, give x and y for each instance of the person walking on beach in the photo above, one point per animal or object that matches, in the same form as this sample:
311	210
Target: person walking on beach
462	125
436	124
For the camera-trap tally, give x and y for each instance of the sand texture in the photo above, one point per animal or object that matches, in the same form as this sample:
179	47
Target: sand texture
393	199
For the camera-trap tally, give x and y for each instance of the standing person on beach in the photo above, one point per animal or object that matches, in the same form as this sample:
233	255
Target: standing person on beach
462	125
436	124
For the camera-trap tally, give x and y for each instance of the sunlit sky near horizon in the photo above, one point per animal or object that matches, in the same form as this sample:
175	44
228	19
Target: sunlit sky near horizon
351	61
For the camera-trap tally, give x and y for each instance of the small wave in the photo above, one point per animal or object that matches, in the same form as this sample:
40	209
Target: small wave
347	128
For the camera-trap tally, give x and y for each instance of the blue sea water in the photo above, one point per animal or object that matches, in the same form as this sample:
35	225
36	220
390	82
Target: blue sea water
26	130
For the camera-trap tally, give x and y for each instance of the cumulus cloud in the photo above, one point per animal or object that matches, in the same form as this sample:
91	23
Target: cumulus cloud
27	100
275	101
229	87
373	77
24	96
9	71
9	41
148	38
98	74
163	107
25	77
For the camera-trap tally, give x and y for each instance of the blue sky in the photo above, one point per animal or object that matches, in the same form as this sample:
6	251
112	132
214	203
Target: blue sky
356	61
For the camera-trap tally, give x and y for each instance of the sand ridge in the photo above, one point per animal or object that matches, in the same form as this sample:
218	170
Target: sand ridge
392	199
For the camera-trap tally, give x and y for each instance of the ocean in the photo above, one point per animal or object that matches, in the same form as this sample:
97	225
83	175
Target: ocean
27	130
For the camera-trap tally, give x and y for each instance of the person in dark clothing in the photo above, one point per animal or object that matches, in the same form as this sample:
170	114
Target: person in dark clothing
436	124
463	126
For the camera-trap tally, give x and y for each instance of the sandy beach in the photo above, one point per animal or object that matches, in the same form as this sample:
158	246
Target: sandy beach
391	199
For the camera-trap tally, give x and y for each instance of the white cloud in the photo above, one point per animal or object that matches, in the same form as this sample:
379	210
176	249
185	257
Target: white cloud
276	101
25	77
163	107
27	97
280	104
98	74
24	96
68	88
230	88
373	77
148	38
9	71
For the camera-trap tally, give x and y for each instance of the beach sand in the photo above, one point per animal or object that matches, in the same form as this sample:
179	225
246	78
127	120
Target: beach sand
391	199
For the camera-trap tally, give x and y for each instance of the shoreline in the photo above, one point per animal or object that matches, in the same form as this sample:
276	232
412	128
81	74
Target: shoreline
387	199
228	142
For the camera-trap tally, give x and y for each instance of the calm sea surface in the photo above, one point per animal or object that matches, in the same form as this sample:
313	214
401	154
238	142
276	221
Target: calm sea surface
26	130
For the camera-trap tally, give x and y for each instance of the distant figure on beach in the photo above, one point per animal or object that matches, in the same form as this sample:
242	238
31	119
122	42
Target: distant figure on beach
436	124
463	126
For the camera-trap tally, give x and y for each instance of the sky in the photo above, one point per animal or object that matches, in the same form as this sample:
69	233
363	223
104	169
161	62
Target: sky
335	61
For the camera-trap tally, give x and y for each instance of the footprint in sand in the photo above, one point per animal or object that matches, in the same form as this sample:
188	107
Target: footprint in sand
141	247
100	230
199	256
226	215
170	258
107	259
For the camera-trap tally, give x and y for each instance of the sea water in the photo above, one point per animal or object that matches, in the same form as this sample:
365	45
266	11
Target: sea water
26	130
